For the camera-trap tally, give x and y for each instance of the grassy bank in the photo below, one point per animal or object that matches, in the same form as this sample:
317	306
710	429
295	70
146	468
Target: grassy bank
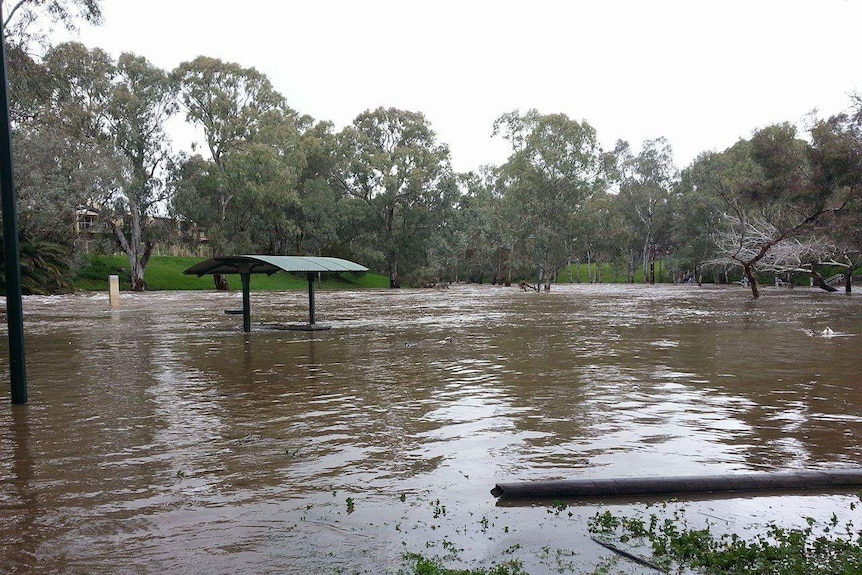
580	273
166	273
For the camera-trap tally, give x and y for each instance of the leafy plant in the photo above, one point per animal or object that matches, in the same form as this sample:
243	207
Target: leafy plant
832	548
44	268
421	565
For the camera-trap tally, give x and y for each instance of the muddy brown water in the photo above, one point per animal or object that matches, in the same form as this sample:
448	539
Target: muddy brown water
161	439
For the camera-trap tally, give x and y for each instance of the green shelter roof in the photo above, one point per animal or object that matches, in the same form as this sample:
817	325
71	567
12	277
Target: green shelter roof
269	265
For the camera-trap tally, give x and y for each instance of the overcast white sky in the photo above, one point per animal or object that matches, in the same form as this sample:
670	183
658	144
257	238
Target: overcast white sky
701	73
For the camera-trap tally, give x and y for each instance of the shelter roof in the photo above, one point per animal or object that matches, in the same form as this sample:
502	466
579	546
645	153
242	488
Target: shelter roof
269	265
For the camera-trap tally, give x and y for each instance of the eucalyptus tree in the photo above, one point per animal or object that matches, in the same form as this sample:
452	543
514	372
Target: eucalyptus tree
30	21
64	153
244	203
402	181
646	181
52	170
141	102
246	186
776	188
97	139
27	28
697	216
317	217
229	102
472	248
555	164
602	236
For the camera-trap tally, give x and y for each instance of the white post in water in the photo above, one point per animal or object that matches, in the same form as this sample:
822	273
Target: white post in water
114	290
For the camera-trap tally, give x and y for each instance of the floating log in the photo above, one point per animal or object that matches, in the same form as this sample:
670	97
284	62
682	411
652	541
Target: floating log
638	486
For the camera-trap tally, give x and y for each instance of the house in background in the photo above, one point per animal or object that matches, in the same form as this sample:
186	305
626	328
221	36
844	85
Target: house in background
183	238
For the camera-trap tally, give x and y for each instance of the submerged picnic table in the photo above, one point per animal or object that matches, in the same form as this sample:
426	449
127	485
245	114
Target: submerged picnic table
245	265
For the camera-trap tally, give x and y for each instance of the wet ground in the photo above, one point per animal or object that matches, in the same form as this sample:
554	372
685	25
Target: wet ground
159	438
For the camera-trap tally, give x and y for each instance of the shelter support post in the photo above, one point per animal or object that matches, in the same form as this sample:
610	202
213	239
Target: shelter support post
246	301
310	298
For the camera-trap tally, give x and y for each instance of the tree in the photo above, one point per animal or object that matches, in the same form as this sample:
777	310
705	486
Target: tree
645	187
27	26
64	153
555	165
228	101
596	231
775	187
253	143
27	21
316	215
142	100
698	215
402	178
476	248
96	139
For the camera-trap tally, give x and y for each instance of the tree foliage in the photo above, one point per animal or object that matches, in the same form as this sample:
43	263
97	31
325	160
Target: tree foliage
402	180
646	182
777	188
90	134
555	165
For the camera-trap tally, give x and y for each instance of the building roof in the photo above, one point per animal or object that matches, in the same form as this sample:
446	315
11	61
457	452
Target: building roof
261	264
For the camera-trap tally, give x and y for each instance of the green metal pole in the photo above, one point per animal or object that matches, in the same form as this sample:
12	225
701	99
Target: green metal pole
311	298
14	305
246	302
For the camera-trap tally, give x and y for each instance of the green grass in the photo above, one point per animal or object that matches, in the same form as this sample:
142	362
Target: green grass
580	274
166	273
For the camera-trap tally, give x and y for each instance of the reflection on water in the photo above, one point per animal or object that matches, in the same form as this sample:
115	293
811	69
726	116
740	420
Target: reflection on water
160	438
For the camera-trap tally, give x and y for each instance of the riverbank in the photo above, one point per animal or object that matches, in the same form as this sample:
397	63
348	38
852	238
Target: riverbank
166	273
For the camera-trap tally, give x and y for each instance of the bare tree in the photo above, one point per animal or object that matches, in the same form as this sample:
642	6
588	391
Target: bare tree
758	245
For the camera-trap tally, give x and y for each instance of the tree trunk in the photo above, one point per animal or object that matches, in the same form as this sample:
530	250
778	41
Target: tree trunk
394	281
752	283
646	260
221	282
819	281
509	267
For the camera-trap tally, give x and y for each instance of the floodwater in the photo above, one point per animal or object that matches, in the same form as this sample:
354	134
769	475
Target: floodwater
159	438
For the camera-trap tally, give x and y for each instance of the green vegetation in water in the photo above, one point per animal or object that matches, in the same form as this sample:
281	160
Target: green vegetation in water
166	273
830	548
420	565
662	540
